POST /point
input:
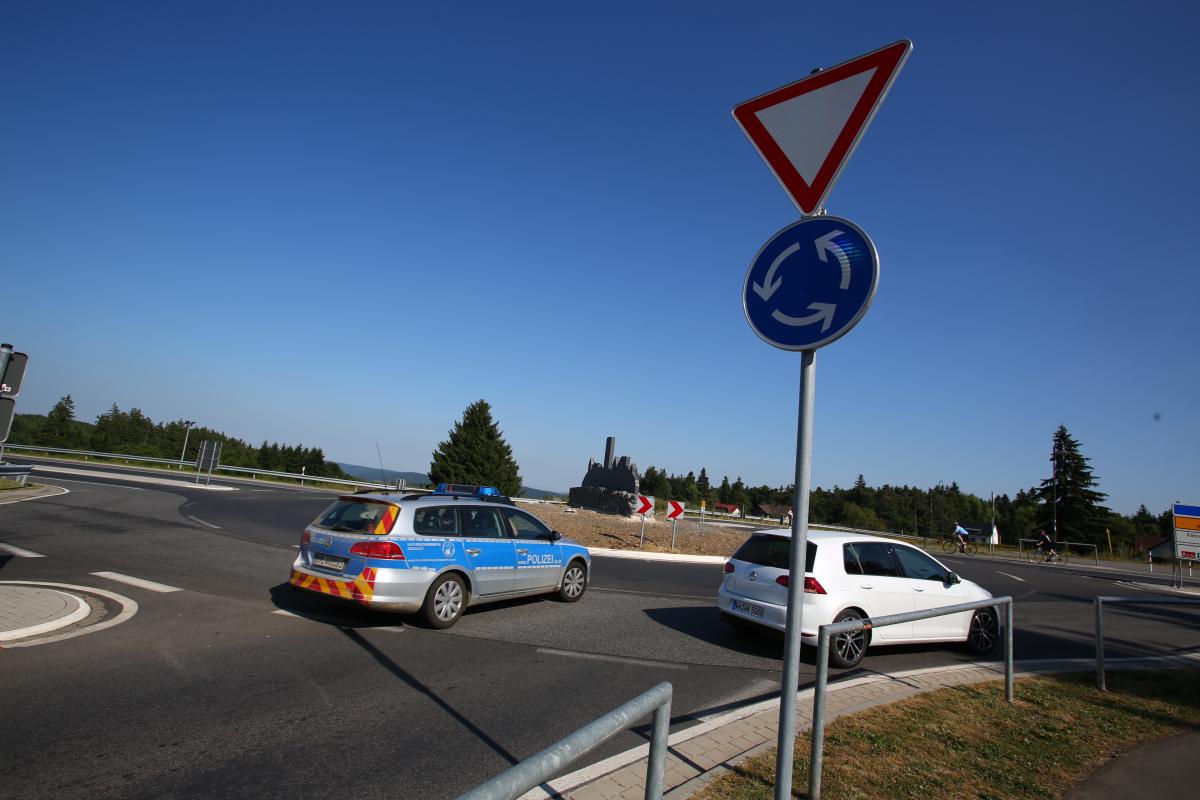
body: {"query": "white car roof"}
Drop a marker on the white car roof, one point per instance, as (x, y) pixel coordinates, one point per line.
(826, 536)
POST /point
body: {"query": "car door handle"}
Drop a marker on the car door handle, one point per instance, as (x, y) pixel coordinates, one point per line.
(472, 551)
(866, 586)
(522, 551)
(915, 589)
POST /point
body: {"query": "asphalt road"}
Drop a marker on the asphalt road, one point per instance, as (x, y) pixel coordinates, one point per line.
(209, 691)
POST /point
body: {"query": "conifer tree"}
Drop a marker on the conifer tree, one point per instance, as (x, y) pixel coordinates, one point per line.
(475, 453)
(58, 430)
(1070, 489)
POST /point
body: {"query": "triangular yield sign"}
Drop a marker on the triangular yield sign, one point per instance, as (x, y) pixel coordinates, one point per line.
(806, 131)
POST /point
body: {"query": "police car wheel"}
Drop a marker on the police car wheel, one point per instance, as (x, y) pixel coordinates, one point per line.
(445, 602)
(574, 582)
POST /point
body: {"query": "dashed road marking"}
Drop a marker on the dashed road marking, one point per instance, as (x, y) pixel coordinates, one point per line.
(19, 552)
(1014, 577)
(142, 583)
(202, 522)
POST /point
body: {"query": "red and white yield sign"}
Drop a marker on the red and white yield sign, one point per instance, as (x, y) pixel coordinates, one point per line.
(646, 504)
(807, 130)
(674, 509)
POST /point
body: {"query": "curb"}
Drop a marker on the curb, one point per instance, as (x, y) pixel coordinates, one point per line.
(79, 610)
(32, 493)
(129, 607)
(132, 478)
(644, 555)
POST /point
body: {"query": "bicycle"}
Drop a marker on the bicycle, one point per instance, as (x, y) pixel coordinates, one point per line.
(1035, 556)
(950, 546)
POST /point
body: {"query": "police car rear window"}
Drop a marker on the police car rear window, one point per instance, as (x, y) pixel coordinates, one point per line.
(773, 551)
(358, 516)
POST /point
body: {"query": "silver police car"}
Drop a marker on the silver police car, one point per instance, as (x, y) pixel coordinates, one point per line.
(436, 554)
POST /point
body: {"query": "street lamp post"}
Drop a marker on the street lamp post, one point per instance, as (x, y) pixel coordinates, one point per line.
(1054, 454)
(187, 429)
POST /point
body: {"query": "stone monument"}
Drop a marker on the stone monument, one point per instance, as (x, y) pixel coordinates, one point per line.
(611, 487)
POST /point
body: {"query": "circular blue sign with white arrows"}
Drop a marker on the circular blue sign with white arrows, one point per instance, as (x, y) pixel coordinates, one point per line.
(811, 283)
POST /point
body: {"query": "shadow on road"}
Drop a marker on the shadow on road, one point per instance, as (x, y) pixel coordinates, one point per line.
(331, 611)
(414, 684)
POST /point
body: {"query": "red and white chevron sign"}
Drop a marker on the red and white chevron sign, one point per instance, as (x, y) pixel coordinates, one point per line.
(674, 509)
(647, 504)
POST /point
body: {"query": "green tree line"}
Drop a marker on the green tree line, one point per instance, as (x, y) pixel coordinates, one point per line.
(1066, 501)
(135, 434)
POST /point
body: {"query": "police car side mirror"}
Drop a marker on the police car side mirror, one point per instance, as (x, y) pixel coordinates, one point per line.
(555, 536)
(952, 578)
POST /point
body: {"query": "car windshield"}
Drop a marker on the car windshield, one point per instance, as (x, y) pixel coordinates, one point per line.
(357, 516)
(773, 551)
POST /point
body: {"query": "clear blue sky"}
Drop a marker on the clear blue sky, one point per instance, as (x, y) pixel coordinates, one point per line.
(341, 223)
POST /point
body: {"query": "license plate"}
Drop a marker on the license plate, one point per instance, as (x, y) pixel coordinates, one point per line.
(748, 608)
(329, 562)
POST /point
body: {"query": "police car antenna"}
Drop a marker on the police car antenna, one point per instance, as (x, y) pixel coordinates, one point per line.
(382, 476)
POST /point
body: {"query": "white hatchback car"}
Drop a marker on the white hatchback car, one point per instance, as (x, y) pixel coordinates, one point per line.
(853, 576)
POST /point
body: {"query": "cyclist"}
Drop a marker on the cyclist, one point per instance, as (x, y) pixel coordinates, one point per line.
(1046, 545)
(960, 535)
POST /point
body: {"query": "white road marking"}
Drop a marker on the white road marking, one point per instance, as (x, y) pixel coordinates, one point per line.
(98, 483)
(139, 582)
(283, 613)
(1014, 577)
(202, 522)
(639, 662)
(20, 552)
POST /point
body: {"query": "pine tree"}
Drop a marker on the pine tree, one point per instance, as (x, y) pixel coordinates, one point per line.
(702, 485)
(475, 453)
(1080, 512)
(59, 430)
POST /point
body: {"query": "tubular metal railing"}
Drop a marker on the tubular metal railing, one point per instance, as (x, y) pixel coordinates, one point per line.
(826, 632)
(1112, 600)
(538, 769)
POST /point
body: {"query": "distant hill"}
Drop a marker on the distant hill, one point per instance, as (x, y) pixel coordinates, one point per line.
(420, 479)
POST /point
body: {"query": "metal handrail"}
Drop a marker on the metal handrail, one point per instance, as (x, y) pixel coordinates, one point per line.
(1114, 599)
(825, 632)
(537, 769)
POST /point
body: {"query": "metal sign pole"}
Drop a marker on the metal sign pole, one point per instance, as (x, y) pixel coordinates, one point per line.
(672, 534)
(791, 658)
(642, 535)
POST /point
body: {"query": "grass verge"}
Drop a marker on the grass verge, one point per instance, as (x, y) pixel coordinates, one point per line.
(5, 483)
(967, 742)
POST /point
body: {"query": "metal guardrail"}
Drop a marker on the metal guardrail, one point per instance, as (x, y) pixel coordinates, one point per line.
(544, 766)
(1112, 600)
(174, 462)
(15, 472)
(40, 449)
(826, 632)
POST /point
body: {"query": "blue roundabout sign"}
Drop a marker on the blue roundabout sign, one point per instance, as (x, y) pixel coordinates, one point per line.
(811, 283)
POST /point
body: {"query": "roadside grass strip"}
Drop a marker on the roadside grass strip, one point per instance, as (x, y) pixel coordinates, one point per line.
(967, 742)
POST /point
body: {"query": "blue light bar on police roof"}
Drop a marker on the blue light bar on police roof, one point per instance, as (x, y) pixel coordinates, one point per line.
(462, 488)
